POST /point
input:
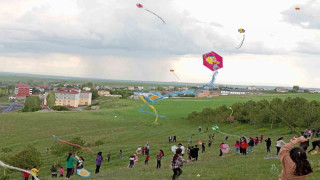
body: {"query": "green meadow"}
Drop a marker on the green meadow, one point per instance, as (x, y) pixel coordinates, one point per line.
(120, 126)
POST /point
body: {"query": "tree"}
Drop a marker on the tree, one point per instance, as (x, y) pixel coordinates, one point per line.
(28, 157)
(31, 104)
(95, 94)
(295, 89)
(51, 99)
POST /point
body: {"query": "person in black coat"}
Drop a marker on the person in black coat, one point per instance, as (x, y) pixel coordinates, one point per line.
(268, 144)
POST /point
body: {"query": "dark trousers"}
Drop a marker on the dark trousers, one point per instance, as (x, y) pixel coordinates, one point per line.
(278, 150)
(268, 149)
(220, 153)
(176, 173)
(146, 162)
(53, 175)
(209, 144)
(314, 145)
(97, 168)
(61, 175)
(244, 151)
(196, 157)
(158, 163)
(33, 178)
(241, 150)
(69, 172)
(26, 178)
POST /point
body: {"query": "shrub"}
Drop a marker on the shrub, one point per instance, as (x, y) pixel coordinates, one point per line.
(60, 108)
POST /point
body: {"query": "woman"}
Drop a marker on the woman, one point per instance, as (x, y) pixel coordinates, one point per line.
(70, 160)
(177, 163)
(99, 159)
(244, 146)
(294, 161)
(280, 143)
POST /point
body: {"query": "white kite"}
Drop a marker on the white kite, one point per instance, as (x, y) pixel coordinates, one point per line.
(19, 169)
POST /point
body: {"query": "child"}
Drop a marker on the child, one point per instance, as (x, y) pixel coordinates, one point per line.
(61, 171)
(147, 159)
(221, 146)
(237, 146)
(159, 158)
(203, 148)
(209, 144)
(256, 141)
(35, 171)
(244, 146)
(144, 150)
(131, 163)
(120, 154)
(227, 137)
(26, 175)
(53, 172)
(261, 138)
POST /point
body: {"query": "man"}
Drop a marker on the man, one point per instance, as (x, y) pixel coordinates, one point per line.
(200, 128)
(196, 152)
(190, 140)
(170, 139)
(182, 148)
(174, 139)
(314, 145)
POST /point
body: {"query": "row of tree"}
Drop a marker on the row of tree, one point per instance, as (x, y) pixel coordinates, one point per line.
(291, 112)
(4, 92)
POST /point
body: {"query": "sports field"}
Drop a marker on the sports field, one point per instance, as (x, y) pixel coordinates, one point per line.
(120, 126)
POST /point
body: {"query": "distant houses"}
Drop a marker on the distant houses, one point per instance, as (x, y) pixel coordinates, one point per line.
(282, 90)
(70, 97)
(225, 92)
(22, 90)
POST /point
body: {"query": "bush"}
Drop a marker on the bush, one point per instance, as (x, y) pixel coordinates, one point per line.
(262, 129)
(240, 127)
(60, 108)
(32, 104)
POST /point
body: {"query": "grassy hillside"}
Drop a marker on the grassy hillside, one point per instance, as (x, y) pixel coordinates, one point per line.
(130, 129)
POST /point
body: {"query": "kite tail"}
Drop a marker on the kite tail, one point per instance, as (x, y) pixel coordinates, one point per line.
(239, 46)
(156, 15)
(176, 76)
(19, 169)
(231, 111)
(76, 145)
(213, 78)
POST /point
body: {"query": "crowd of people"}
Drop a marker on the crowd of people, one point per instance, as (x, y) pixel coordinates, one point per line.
(293, 159)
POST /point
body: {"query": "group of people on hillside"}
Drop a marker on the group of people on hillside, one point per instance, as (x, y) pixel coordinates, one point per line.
(172, 139)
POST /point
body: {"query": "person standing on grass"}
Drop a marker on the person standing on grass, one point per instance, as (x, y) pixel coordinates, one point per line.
(200, 128)
(99, 160)
(203, 147)
(159, 158)
(256, 141)
(147, 159)
(69, 162)
(251, 144)
(314, 145)
(174, 139)
(196, 152)
(143, 150)
(61, 171)
(177, 163)
(209, 143)
(26, 175)
(237, 147)
(190, 140)
(131, 162)
(120, 154)
(294, 161)
(244, 146)
(227, 137)
(261, 138)
(304, 145)
(109, 156)
(268, 144)
(35, 171)
(280, 143)
(182, 148)
(170, 139)
(54, 173)
(221, 146)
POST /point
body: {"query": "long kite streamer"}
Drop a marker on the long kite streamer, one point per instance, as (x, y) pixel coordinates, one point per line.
(152, 107)
(57, 138)
(141, 7)
(241, 31)
(19, 169)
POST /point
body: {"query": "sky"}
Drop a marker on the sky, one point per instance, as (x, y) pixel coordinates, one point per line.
(116, 40)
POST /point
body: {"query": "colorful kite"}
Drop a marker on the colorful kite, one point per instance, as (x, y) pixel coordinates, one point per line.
(216, 128)
(155, 113)
(83, 173)
(172, 71)
(174, 148)
(141, 7)
(57, 138)
(19, 169)
(212, 61)
(225, 148)
(297, 8)
(200, 143)
(241, 31)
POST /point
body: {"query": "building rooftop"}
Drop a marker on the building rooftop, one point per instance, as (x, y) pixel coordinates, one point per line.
(23, 86)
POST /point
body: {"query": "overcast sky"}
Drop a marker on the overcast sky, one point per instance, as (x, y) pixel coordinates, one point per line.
(116, 40)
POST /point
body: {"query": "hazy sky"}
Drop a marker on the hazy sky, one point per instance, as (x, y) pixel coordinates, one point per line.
(116, 40)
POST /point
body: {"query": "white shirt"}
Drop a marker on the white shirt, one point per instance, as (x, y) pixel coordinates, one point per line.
(182, 148)
(280, 143)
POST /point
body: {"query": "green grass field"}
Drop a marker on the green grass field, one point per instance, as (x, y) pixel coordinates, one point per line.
(131, 129)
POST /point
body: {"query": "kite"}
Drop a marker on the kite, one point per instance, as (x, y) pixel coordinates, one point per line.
(230, 118)
(216, 128)
(83, 173)
(19, 169)
(225, 148)
(297, 8)
(57, 138)
(141, 7)
(155, 113)
(241, 31)
(174, 148)
(172, 71)
(212, 61)
(200, 143)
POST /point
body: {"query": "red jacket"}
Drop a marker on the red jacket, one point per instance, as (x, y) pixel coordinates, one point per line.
(147, 157)
(25, 174)
(244, 145)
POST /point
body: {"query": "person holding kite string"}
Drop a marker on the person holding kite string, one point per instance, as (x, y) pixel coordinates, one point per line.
(295, 165)
(69, 162)
(177, 164)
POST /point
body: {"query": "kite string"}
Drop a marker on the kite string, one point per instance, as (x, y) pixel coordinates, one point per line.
(19, 169)
(239, 46)
(156, 15)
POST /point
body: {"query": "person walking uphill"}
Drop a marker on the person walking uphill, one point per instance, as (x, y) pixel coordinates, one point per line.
(295, 165)
(177, 163)
(280, 143)
(268, 144)
(99, 160)
(70, 160)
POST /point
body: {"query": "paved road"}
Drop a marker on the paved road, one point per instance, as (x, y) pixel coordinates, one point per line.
(11, 107)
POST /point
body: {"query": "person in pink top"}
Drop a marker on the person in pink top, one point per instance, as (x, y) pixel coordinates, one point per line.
(61, 171)
(237, 146)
